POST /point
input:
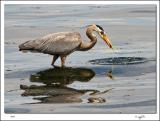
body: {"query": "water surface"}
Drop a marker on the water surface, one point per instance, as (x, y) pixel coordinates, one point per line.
(32, 85)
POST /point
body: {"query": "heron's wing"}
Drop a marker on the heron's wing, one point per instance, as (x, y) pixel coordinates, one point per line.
(56, 43)
(59, 43)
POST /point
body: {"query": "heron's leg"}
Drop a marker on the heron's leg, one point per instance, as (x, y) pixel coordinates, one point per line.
(55, 57)
(63, 59)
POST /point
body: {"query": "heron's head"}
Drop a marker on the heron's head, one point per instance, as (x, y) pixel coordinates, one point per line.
(102, 34)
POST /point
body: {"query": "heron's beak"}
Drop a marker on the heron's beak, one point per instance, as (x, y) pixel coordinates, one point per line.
(106, 39)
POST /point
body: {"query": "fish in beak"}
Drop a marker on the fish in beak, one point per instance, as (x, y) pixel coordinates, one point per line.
(106, 39)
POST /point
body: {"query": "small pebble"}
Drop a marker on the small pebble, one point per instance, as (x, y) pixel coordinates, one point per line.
(96, 100)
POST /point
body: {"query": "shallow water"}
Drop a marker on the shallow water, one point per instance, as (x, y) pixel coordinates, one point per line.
(104, 86)
(119, 61)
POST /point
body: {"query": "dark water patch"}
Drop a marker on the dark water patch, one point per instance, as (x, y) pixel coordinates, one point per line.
(119, 61)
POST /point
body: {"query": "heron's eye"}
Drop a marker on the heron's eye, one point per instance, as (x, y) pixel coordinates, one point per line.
(102, 32)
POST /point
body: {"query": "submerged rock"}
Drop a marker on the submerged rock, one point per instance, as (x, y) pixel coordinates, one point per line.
(96, 100)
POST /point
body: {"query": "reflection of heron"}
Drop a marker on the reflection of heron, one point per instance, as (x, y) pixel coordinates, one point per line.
(52, 94)
(64, 43)
(62, 76)
(55, 89)
(55, 81)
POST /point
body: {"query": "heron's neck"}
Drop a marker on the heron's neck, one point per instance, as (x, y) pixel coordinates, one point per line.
(86, 46)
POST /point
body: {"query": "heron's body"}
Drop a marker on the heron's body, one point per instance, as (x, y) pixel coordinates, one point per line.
(60, 44)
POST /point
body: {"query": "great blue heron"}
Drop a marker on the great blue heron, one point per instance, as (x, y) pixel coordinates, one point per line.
(64, 43)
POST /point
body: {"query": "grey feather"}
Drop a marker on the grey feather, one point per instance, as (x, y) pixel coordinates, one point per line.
(56, 43)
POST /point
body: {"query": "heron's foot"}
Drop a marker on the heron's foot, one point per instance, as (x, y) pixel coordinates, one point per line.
(55, 66)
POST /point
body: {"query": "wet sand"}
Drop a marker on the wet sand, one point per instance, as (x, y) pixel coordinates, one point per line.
(32, 85)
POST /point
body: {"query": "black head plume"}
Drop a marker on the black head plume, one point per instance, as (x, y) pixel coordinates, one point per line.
(100, 27)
